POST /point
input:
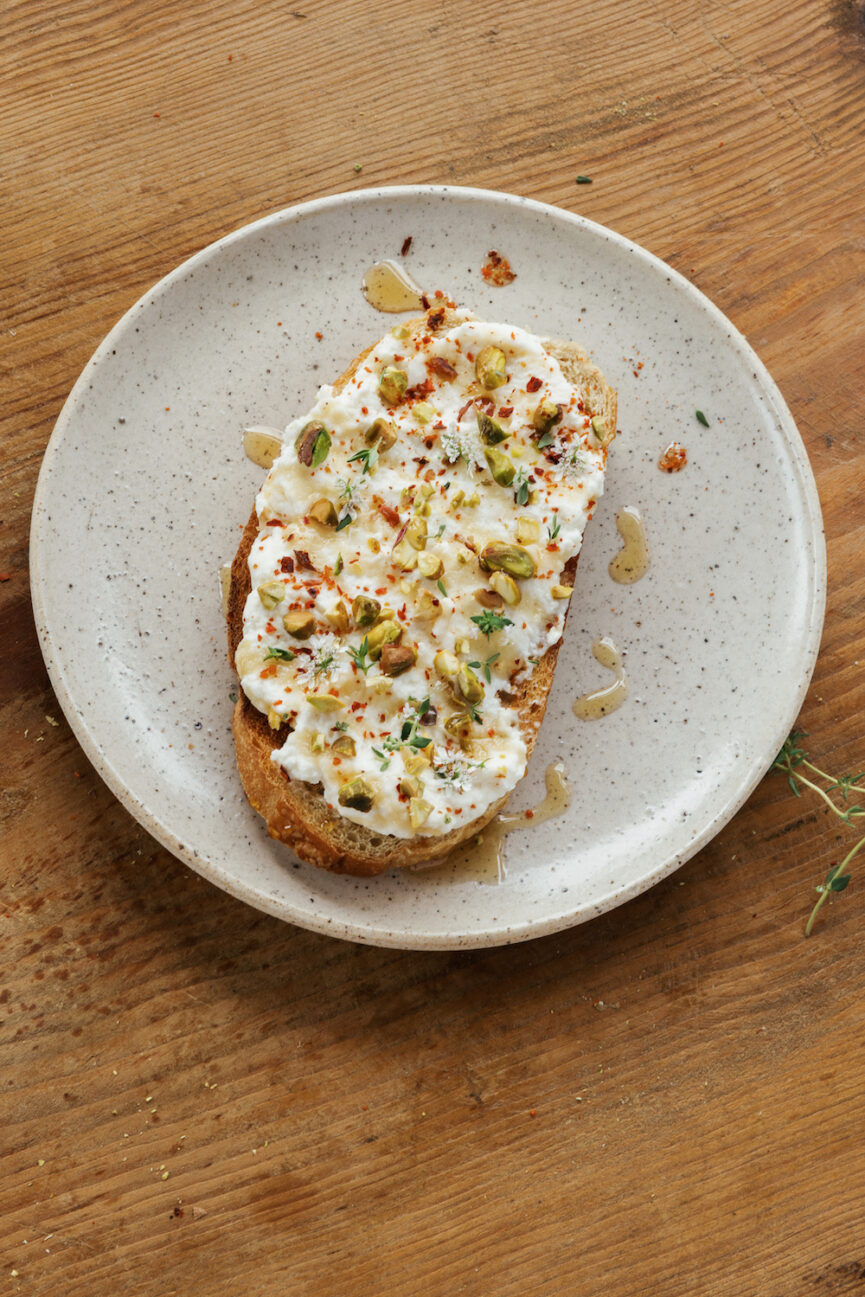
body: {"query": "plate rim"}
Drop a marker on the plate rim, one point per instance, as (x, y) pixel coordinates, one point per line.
(429, 939)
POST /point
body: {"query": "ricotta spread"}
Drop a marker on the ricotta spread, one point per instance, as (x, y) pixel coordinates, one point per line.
(436, 535)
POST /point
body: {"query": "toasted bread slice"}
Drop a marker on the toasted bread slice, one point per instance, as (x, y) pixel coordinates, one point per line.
(296, 810)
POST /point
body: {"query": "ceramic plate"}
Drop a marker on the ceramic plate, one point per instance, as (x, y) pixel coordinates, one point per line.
(145, 486)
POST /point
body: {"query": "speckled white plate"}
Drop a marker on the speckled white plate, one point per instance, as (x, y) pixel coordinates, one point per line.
(145, 487)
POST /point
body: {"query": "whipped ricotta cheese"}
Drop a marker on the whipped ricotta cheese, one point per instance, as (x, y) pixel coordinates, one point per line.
(409, 574)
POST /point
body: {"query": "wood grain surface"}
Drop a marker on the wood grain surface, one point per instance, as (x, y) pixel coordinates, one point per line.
(198, 1099)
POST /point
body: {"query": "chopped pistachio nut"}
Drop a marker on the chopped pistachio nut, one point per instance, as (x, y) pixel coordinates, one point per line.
(396, 658)
(456, 499)
(338, 617)
(410, 786)
(499, 465)
(312, 444)
(446, 663)
(491, 367)
(427, 605)
(430, 565)
(424, 412)
(324, 512)
(387, 633)
(344, 745)
(274, 719)
(358, 793)
(382, 434)
(462, 645)
(416, 760)
(489, 598)
(528, 530)
(466, 686)
(404, 555)
(506, 586)
(419, 812)
(317, 743)
(546, 414)
(513, 559)
(299, 624)
(325, 703)
(490, 429)
(271, 594)
(365, 609)
(599, 428)
(416, 533)
(392, 385)
(562, 591)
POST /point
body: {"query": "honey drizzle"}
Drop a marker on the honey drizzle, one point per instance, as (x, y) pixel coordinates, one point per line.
(388, 287)
(262, 445)
(632, 560)
(591, 706)
(482, 861)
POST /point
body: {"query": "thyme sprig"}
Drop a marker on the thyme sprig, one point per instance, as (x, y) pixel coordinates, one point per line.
(791, 761)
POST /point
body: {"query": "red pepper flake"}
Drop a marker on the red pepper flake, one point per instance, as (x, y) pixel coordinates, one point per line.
(468, 405)
(387, 511)
(5, 576)
(533, 1112)
(406, 244)
(420, 390)
(157, 114)
(534, 385)
(435, 319)
(304, 562)
(443, 368)
(505, 411)
(286, 563)
(267, 672)
(279, 324)
(319, 335)
(424, 301)
(674, 458)
(496, 270)
(275, 522)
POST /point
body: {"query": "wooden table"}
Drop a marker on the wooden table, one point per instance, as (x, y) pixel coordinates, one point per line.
(198, 1099)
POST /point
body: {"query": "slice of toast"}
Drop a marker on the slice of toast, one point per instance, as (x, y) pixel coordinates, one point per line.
(304, 812)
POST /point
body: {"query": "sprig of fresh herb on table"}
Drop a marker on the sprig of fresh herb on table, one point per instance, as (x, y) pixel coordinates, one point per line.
(490, 622)
(791, 761)
(485, 667)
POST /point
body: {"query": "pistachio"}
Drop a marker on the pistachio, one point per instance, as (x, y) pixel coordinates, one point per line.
(404, 556)
(406, 587)
(338, 617)
(506, 586)
(274, 719)
(466, 686)
(456, 499)
(358, 793)
(599, 428)
(392, 385)
(459, 727)
(473, 500)
(446, 664)
(491, 367)
(299, 624)
(382, 434)
(344, 745)
(410, 786)
(500, 466)
(373, 544)
(423, 412)
(562, 591)
(323, 511)
(401, 331)
(491, 430)
(427, 605)
(387, 633)
(419, 812)
(271, 594)
(546, 414)
(462, 645)
(317, 743)
(396, 658)
(416, 533)
(489, 598)
(528, 530)
(512, 559)
(325, 703)
(430, 565)
(416, 760)
(312, 444)
(386, 614)
(365, 609)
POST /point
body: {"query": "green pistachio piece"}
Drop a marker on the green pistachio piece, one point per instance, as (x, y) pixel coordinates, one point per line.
(546, 414)
(392, 385)
(365, 609)
(446, 664)
(410, 786)
(500, 466)
(358, 793)
(506, 586)
(324, 512)
(312, 444)
(491, 367)
(387, 633)
(381, 434)
(512, 559)
(299, 624)
(416, 533)
(271, 594)
(345, 746)
(459, 727)
(423, 412)
(489, 598)
(599, 428)
(325, 703)
(490, 429)
(466, 686)
(419, 812)
(430, 565)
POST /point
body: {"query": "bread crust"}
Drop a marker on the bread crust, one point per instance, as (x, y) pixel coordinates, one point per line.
(296, 812)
